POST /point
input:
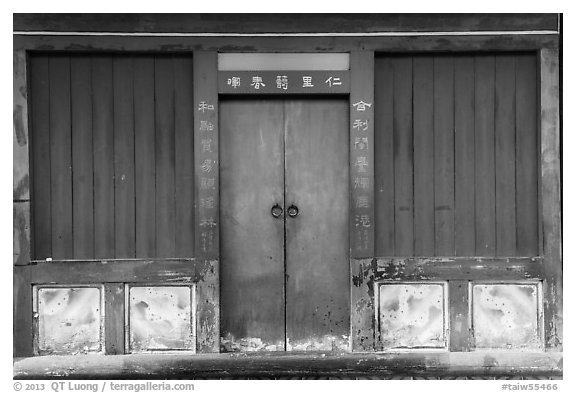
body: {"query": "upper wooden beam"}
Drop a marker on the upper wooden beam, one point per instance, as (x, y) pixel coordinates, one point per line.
(282, 23)
(475, 43)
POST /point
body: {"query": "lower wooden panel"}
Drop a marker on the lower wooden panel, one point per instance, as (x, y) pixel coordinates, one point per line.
(114, 275)
(368, 275)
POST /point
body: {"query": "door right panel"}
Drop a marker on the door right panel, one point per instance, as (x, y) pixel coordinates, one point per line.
(317, 243)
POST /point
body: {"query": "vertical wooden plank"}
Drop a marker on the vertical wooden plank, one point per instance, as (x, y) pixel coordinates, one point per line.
(505, 147)
(22, 323)
(384, 157)
(206, 164)
(124, 207)
(61, 158)
(526, 155)
(423, 155)
(41, 196)
(145, 157)
(114, 313)
(444, 155)
(82, 163)
(403, 158)
(184, 159)
(459, 315)
(20, 169)
(103, 145)
(464, 157)
(362, 153)
(21, 232)
(551, 197)
(484, 155)
(206, 186)
(164, 109)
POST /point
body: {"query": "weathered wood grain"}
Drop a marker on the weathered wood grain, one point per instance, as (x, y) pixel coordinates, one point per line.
(551, 197)
(505, 155)
(484, 155)
(145, 157)
(464, 157)
(165, 155)
(444, 155)
(20, 169)
(82, 157)
(114, 313)
(123, 148)
(40, 150)
(118, 271)
(403, 158)
(208, 307)
(184, 156)
(103, 143)
(60, 157)
(459, 316)
(527, 155)
(267, 23)
(21, 233)
(384, 157)
(22, 322)
(423, 102)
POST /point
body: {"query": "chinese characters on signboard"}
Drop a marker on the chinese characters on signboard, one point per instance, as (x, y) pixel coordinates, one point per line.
(280, 82)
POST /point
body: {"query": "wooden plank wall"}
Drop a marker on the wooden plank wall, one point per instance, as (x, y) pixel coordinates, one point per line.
(456, 155)
(112, 156)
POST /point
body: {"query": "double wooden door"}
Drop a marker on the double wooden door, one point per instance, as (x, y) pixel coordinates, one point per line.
(284, 224)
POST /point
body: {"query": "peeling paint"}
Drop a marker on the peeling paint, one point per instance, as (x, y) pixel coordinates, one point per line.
(160, 318)
(324, 343)
(21, 233)
(69, 320)
(411, 315)
(229, 343)
(506, 316)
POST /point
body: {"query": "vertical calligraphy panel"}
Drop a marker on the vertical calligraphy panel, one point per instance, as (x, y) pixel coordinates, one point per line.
(362, 153)
(206, 168)
(206, 154)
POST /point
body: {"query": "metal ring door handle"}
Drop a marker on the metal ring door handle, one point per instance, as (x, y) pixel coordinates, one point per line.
(293, 211)
(276, 211)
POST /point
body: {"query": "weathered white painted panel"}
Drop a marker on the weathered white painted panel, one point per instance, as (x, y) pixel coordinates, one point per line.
(69, 320)
(412, 315)
(506, 315)
(160, 318)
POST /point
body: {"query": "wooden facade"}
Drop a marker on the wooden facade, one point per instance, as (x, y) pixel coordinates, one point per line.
(433, 174)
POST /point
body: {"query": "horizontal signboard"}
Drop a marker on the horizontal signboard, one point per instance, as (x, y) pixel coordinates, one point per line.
(283, 82)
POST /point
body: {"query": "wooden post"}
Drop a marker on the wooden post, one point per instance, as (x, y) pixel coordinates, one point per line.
(551, 197)
(206, 154)
(114, 313)
(362, 153)
(458, 311)
(207, 243)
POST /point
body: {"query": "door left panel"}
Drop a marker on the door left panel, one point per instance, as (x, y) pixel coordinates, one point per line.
(252, 241)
